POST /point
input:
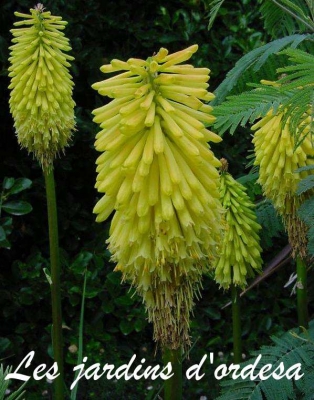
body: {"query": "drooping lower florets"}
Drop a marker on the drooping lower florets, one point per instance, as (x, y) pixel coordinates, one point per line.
(160, 177)
(41, 86)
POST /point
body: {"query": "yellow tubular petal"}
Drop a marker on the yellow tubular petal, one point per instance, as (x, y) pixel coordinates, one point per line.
(148, 100)
(136, 153)
(173, 127)
(153, 192)
(165, 104)
(150, 118)
(173, 168)
(158, 136)
(165, 181)
(143, 205)
(167, 211)
(148, 152)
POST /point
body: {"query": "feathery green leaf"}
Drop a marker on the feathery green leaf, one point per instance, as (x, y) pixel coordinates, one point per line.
(247, 107)
(254, 60)
(289, 349)
(214, 8)
(293, 17)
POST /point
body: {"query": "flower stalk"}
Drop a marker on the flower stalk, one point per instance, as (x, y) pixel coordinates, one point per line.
(57, 340)
(236, 324)
(173, 386)
(301, 287)
(43, 110)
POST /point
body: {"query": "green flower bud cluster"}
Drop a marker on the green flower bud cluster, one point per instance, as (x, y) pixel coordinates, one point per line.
(41, 86)
(160, 177)
(241, 252)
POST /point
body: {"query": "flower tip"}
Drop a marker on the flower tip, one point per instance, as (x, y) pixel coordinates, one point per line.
(194, 48)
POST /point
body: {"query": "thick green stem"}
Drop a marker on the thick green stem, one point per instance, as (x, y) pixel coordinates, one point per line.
(303, 318)
(173, 386)
(236, 324)
(57, 342)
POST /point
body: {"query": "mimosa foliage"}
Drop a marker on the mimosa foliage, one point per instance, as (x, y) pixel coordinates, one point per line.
(291, 14)
(289, 349)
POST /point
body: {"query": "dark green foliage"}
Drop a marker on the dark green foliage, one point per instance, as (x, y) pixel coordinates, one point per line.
(270, 221)
(214, 7)
(280, 10)
(254, 61)
(247, 107)
(12, 206)
(291, 348)
(18, 394)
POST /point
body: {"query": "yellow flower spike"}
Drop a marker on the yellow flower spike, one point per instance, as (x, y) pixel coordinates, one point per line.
(41, 86)
(278, 161)
(166, 228)
(240, 253)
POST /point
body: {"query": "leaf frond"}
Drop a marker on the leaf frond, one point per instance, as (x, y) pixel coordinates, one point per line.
(254, 60)
(290, 349)
(293, 17)
(247, 107)
(214, 8)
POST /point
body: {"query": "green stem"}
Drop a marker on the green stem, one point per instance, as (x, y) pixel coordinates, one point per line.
(57, 342)
(236, 324)
(303, 318)
(173, 386)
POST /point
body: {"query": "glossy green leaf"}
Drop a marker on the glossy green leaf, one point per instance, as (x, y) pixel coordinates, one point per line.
(17, 207)
(20, 184)
(8, 183)
(126, 326)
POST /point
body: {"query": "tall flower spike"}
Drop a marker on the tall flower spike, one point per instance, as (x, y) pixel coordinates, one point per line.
(161, 178)
(278, 161)
(41, 86)
(241, 251)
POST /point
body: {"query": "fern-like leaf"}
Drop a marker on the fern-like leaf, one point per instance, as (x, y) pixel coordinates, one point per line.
(290, 349)
(306, 184)
(247, 107)
(4, 384)
(272, 13)
(269, 220)
(254, 60)
(293, 17)
(214, 8)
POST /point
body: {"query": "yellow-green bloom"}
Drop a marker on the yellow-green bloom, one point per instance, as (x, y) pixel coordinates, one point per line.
(241, 251)
(278, 161)
(160, 177)
(41, 86)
